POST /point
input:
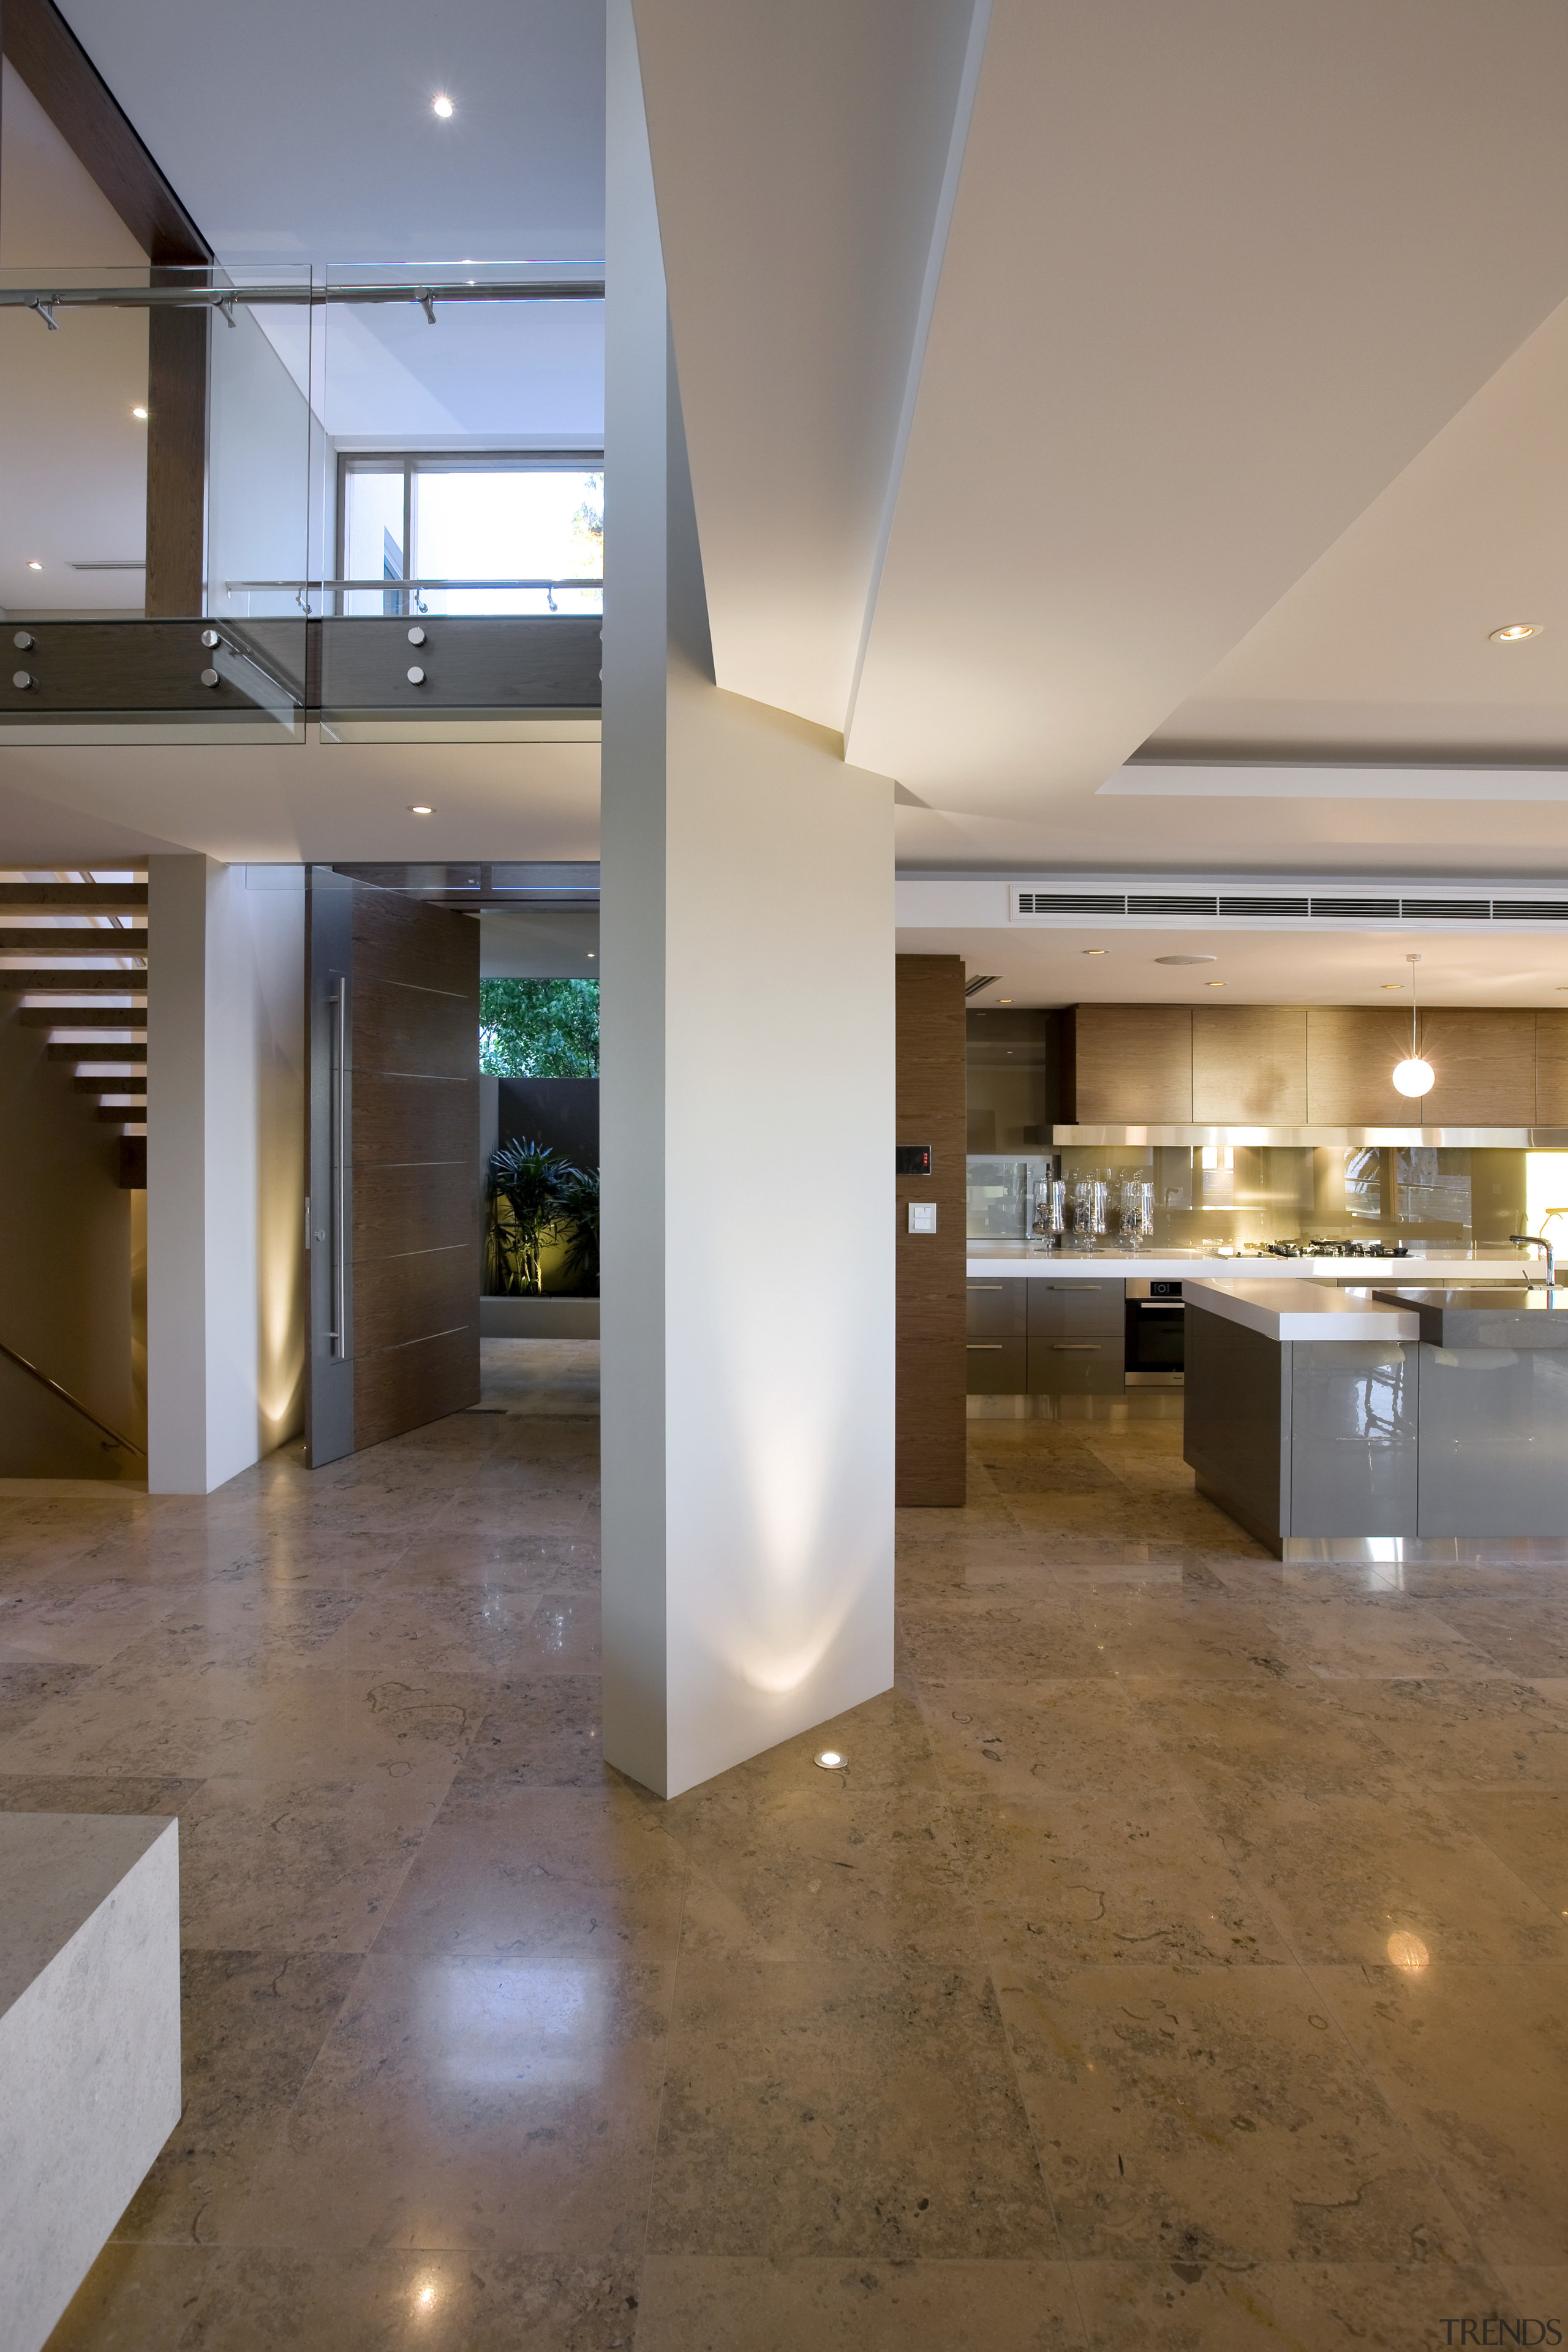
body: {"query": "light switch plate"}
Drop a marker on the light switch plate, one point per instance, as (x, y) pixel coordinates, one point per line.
(923, 1216)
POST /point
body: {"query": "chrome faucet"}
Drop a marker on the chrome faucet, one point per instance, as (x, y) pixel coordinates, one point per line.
(1538, 1241)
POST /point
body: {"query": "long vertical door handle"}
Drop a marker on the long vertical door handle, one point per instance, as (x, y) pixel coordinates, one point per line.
(340, 1331)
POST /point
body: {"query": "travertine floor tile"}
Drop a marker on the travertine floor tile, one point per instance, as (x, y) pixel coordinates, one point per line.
(137, 2299)
(983, 1638)
(261, 2298)
(252, 2024)
(827, 2109)
(547, 1873)
(534, 1734)
(1345, 1875)
(1474, 2062)
(487, 2048)
(1475, 1733)
(1005, 1740)
(1197, 2306)
(721, 2304)
(1528, 1830)
(1064, 1882)
(499, 2105)
(298, 1866)
(1215, 2117)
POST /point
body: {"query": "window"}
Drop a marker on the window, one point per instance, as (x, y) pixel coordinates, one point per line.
(423, 521)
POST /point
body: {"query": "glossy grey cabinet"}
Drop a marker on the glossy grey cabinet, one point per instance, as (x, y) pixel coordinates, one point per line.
(997, 1367)
(997, 1308)
(1063, 1309)
(1077, 1366)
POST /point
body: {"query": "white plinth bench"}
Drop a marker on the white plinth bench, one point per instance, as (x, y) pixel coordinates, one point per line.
(89, 2043)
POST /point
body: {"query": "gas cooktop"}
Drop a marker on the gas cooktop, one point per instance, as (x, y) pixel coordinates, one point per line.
(1333, 1249)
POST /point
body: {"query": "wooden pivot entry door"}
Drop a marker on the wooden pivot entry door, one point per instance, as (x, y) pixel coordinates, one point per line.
(393, 1212)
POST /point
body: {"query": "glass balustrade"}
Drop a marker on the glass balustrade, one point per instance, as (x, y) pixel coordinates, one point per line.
(369, 502)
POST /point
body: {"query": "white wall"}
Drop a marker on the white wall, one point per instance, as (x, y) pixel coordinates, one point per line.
(747, 1093)
(224, 1169)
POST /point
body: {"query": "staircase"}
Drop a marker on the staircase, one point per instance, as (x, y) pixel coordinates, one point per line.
(73, 944)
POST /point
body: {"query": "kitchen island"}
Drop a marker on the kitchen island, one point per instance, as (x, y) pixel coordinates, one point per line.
(1098, 1334)
(1333, 1420)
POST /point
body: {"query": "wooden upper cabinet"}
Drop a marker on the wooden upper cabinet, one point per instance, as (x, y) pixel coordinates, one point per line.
(1350, 1053)
(1552, 1069)
(1128, 1062)
(1485, 1065)
(1249, 1064)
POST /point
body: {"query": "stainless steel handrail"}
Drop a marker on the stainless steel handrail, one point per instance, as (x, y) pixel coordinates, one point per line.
(423, 290)
(75, 1403)
(387, 587)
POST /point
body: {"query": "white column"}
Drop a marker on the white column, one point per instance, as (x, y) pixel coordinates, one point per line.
(747, 1128)
(224, 1169)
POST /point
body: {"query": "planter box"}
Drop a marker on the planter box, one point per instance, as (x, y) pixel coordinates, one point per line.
(544, 1318)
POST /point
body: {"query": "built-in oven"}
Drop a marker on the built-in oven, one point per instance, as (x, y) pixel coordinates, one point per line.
(1156, 1334)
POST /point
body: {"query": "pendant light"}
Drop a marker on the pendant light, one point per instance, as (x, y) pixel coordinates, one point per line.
(1413, 1077)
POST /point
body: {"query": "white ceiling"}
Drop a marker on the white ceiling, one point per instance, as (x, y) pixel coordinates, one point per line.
(304, 801)
(1323, 967)
(304, 129)
(1199, 391)
(1215, 280)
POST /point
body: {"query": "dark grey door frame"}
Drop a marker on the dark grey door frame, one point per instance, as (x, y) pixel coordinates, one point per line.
(328, 1222)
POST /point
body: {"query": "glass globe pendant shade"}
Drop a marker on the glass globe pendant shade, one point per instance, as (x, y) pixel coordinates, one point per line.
(1413, 1077)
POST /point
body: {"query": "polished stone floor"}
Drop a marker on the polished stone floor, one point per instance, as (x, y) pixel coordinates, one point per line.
(1181, 1963)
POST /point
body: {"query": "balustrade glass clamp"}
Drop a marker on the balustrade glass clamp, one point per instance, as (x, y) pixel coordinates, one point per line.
(23, 642)
(209, 677)
(210, 637)
(23, 679)
(416, 677)
(415, 636)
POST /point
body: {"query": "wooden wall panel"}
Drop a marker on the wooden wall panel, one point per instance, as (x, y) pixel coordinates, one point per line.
(176, 462)
(1552, 1069)
(1485, 1065)
(931, 1433)
(1128, 1062)
(1250, 1064)
(415, 1146)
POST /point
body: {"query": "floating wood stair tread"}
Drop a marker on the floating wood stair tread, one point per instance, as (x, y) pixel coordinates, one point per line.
(36, 981)
(83, 897)
(115, 1052)
(131, 1018)
(36, 940)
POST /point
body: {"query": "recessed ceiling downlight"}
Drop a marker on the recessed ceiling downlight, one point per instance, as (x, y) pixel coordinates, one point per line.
(832, 1760)
(442, 105)
(1186, 958)
(1512, 632)
(420, 808)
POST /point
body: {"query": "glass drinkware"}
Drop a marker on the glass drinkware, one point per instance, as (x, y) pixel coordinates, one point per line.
(1049, 1217)
(1089, 1196)
(1137, 1213)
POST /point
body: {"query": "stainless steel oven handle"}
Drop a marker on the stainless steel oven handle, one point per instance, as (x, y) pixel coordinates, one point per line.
(340, 1039)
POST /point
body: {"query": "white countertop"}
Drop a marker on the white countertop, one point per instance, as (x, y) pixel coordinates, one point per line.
(1303, 1310)
(1013, 1259)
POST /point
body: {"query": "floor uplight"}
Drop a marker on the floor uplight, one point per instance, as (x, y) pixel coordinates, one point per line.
(832, 1760)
